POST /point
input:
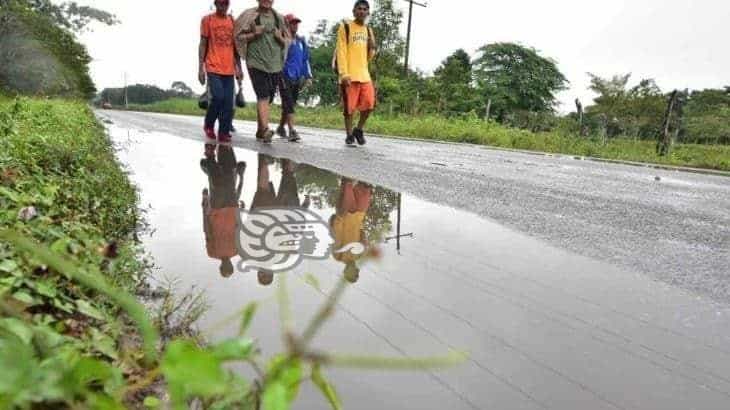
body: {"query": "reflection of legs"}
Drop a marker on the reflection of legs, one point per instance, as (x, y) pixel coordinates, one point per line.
(347, 198)
(362, 194)
(263, 174)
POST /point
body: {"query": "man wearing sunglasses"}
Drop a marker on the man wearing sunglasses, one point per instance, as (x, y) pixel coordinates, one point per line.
(262, 39)
(218, 64)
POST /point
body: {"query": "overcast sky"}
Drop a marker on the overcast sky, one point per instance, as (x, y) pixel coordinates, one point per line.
(680, 43)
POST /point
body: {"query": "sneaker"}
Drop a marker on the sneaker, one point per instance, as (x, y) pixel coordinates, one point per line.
(224, 138)
(265, 136)
(350, 141)
(294, 136)
(358, 134)
(209, 133)
(280, 131)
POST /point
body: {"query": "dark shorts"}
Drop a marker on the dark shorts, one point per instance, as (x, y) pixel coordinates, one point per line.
(288, 104)
(265, 86)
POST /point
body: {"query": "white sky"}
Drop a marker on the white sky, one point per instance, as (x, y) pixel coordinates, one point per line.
(680, 43)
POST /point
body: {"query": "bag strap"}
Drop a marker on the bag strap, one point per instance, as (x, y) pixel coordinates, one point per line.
(257, 20)
(347, 31)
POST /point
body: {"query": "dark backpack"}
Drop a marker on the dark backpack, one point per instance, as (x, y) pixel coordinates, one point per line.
(347, 37)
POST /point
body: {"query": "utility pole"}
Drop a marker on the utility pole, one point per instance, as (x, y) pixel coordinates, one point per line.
(408, 35)
(126, 101)
(398, 234)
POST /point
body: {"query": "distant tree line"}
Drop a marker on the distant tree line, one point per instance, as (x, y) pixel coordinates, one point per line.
(145, 94)
(516, 86)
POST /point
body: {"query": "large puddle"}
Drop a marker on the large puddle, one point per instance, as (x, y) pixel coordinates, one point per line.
(424, 279)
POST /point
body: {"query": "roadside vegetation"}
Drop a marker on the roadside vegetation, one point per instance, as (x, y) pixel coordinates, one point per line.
(470, 129)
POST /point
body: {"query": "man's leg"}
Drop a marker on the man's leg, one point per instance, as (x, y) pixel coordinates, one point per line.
(262, 114)
(365, 104)
(347, 108)
(224, 126)
(294, 89)
(348, 124)
(286, 91)
(215, 88)
(364, 115)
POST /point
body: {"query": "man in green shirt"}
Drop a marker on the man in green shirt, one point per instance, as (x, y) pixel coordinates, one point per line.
(262, 38)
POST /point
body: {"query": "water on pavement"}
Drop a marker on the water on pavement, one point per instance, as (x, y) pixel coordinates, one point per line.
(545, 328)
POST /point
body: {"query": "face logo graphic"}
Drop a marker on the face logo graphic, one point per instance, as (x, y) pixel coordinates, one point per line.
(278, 239)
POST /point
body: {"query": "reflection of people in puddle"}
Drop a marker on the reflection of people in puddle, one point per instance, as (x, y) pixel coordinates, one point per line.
(220, 203)
(266, 196)
(347, 224)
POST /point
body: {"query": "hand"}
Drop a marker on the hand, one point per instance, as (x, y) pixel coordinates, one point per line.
(258, 30)
(239, 74)
(307, 83)
(280, 36)
(346, 81)
(201, 75)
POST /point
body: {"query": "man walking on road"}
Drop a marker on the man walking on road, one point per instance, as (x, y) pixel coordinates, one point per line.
(219, 61)
(297, 74)
(262, 38)
(355, 48)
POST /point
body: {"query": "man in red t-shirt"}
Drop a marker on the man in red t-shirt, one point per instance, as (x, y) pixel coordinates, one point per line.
(218, 59)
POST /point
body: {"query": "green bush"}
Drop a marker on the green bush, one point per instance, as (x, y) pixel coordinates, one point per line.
(469, 128)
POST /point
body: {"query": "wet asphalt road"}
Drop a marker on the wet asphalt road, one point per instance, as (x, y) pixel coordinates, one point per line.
(547, 291)
(676, 230)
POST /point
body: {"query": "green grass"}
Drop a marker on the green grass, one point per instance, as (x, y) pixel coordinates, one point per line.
(476, 131)
(60, 325)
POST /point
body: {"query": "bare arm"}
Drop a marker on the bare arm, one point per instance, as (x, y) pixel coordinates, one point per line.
(202, 52)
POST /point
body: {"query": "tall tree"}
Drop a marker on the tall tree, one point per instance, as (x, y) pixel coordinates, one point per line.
(39, 51)
(385, 21)
(454, 80)
(517, 78)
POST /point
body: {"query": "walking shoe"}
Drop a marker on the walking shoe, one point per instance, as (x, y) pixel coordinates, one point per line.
(209, 133)
(264, 136)
(294, 136)
(224, 138)
(358, 134)
(280, 131)
(350, 141)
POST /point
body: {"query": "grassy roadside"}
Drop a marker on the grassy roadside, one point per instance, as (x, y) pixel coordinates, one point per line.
(476, 131)
(61, 187)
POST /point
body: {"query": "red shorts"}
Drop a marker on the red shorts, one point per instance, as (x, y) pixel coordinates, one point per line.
(358, 97)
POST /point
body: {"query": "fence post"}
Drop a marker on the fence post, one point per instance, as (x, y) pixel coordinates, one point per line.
(665, 140)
